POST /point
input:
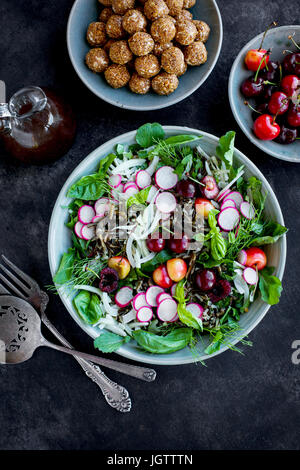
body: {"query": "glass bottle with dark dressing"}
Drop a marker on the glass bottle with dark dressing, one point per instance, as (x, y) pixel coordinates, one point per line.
(36, 126)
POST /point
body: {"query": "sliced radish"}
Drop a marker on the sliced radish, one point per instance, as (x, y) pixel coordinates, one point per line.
(224, 191)
(115, 180)
(101, 206)
(86, 214)
(223, 194)
(162, 296)
(142, 179)
(129, 183)
(195, 309)
(120, 188)
(250, 276)
(144, 314)
(236, 197)
(228, 203)
(97, 218)
(77, 229)
(228, 219)
(151, 294)
(247, 210)
(124, 296)
(242, 257)
(87, 233)
(152, 194)
(175, 318)
(131, 190)
(173, 290)
(139, 301)
(167, 310)
(165, 177)
(165, 202)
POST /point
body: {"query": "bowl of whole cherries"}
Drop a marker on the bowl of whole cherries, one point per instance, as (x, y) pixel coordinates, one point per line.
(264, 91)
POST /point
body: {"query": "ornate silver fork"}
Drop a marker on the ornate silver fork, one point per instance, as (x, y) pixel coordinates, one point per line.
(115, 395)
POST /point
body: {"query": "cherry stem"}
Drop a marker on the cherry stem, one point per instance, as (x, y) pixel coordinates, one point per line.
(263, 59)
(293, 41)
(274, 23)
(251, 107)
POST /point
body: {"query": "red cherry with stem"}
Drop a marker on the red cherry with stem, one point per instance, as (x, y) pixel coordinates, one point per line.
(289, 84)
(255, 57)
(265, 128)
(186, 188)
(293, 116)
(251, 87)
(155, 242)
(279, 103)
(179, 244)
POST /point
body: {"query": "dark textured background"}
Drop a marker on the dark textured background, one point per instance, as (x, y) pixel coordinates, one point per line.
(237, 402)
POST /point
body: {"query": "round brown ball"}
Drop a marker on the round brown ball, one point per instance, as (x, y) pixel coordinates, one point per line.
(164, 83)
(147, 66)
(134, 21)
(114, 28)
(106, 3)
(120, 53)
(96, 33)
(203, 30)
(195, 54)
(108, 45)
(184, 15)
(121, 6)
(163, 30)
(117, 75)
(105, 14)
(154, 9)
(186, 32)
(159, 48)
(139, 85)
(189, 3)
(141, 43)
(172, 60)
(175, 6)
(97, 60)
(183, 69)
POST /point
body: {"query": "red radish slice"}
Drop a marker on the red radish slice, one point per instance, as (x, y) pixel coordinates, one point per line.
(250, 275)
(144, 314)
(228, 219)
(162, 296)
(115, 180)
(139, 301)
(124, 296)
(242, 257)
(131, 190)
(151, 294)
(165, 202)
(120, 188)
(77, 229)
(87, 233)
(86, 214)
(195, 309)
(173, 289)
(175, 318)
(167, 310)
(152, 194)
(97, 218)
(129, 183)
(142, 179)
(101, 206)
(236, 197)
(223, 194)
(165, 177)
(228, 203)
(247, 210)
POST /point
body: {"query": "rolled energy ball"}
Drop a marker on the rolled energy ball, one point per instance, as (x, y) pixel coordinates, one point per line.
(203, 30)
(175, 6)
(105, 14)
(183, 70)
(184, 15)
(159, 48)
(164, 83)
(117, 75)
(97, 60)
(163, 30)
(108, 45)
(106, 3)
(195, 54)
(147, 66)
(186, 32)
(114, 28)
(134, 21)
(120, 53)
(154, 9)
(172, 60)
(189, 3)
(121, 6)
(139, 85)
(141, 43)
(96, 35)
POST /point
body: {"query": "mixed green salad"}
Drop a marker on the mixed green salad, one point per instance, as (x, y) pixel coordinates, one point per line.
(168, 244)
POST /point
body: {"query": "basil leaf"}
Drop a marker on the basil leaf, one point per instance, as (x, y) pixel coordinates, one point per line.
(139, 198)
(158, 259)
(270, 286)
(88, 307)
(181, 139)
(109, 342)
(89, 187)
(105, 164)
(148, 134)
(174, 341)
(218, 246)
(225, 148)
(65, 270)
(184, 315)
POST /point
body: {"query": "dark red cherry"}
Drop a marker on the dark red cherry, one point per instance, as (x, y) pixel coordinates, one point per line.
(287, 135)
(205, 279)
(186, 188)
(291, 63)
(289, 84)
(179, 245)
(279, 103)
(155, 242)
(221, 290)
(293, 116)
(270, 72)
(108, 280)
(251, 87)
(262, 108)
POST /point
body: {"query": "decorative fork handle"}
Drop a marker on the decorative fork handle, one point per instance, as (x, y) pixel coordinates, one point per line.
(115, 395)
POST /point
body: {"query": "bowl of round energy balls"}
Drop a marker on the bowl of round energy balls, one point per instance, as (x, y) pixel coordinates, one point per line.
(144, 54)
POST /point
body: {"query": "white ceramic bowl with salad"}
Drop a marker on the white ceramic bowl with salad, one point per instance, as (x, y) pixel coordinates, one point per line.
(161, 302)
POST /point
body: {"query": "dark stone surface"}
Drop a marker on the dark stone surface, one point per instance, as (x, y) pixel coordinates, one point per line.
(237, 402)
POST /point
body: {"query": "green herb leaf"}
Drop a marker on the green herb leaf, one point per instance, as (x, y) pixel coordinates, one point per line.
(173, 341)
(105, 164)
(270, 286)
(89, 187)
(225, 148)
(109, 342)
(148, 134)
(65, 270)
(184, 315)
(158, 259)
(88, 307)
(215, 345)
(181, 139)
(271, 233)
(139, 198)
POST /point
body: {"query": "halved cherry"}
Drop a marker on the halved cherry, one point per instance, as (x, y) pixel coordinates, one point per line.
(210, 189)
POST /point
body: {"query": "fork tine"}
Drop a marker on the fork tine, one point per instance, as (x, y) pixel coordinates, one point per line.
(31, 282)
(15, 280)
(12, 287)
(3, 290)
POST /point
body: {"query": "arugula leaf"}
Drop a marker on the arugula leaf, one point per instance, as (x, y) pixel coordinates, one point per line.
(109, 342)
(65, 270)
(270, 286)
(225, 148)
(184, 315)
(181, 139)
(139, 198)
(89, 187)
(149, 134)
(88, 307)
(174, 341)
(158, 259)
(271, 233)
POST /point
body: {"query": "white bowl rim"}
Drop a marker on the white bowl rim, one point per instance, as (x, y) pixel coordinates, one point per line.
(157, 360)
(144, 108)
(243, 127)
